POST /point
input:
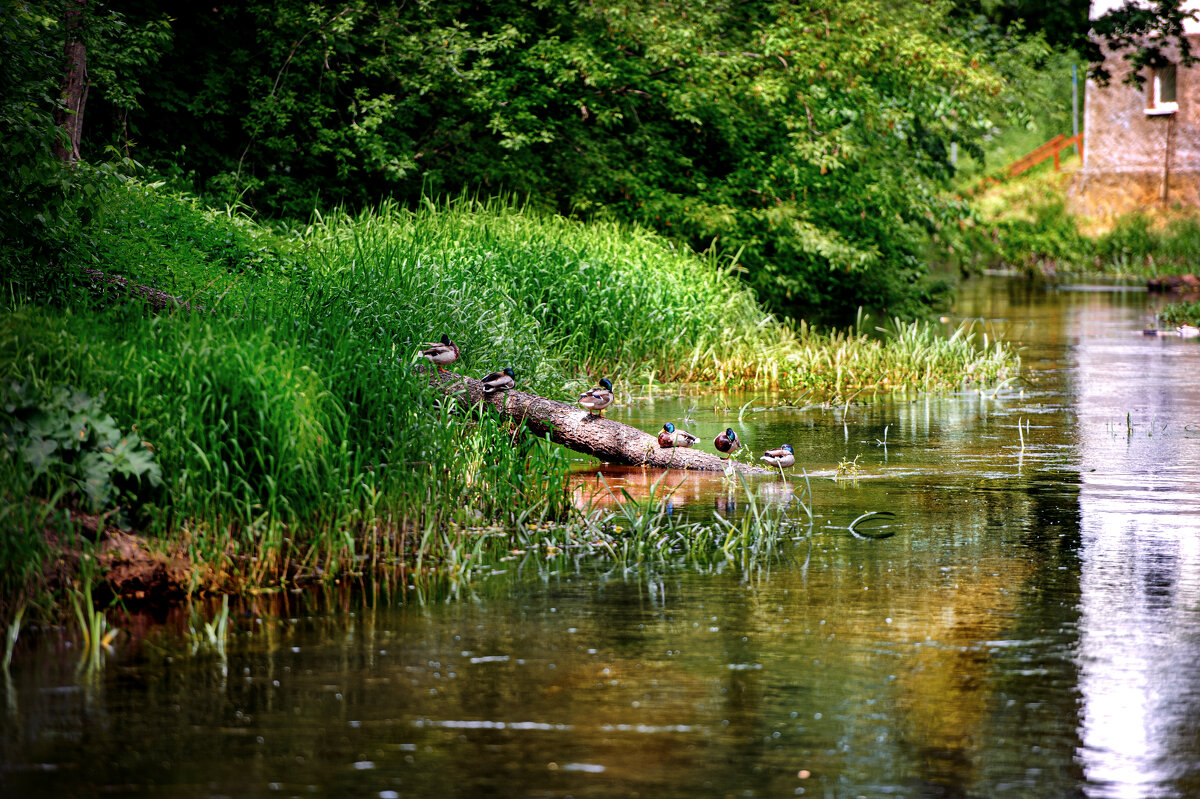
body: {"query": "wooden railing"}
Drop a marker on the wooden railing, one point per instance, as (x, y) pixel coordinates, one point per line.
(1050, 149)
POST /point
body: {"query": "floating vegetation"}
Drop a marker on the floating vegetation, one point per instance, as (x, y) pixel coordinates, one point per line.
(849, 469)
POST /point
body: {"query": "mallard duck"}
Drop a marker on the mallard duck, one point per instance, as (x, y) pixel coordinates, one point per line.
(441, 355)
(780, 457)
(670, 437)
(727, 442)
(499, 381)
(598, 398)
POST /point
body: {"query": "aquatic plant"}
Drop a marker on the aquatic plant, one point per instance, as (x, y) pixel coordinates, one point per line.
(95, 633)
(1186, 312)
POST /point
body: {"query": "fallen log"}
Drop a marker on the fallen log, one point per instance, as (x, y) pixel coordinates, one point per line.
(156, 298)
(577, 429)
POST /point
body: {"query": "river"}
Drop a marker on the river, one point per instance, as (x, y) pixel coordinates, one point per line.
(1030, 626)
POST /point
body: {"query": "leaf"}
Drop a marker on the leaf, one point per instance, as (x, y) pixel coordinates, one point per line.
(106, 429)
(131, 459)
(39, 453)
(49, 424)
(96, 476)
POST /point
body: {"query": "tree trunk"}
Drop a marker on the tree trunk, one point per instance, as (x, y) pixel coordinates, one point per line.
(577, 429)
(75, 85)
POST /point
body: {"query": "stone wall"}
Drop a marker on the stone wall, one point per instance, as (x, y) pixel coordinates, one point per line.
(1132, 159)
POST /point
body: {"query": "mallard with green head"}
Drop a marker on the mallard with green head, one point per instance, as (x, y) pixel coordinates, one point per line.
(499, 381)
(781, 457)
(441, 354)
(727, 442)
(670, 437)
(598, 398)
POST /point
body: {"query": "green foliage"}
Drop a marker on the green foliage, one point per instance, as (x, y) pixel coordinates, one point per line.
(34, 220)
(1016, 227)
(46, 206)
(67, 437)
(1143, 31)
(1180, 313)
(169, 241)
(811, 138)
(1064, 24)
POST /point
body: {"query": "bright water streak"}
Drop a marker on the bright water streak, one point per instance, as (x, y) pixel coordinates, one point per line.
(1139, 421)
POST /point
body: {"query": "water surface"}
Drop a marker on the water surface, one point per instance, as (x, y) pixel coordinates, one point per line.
(1032, 629)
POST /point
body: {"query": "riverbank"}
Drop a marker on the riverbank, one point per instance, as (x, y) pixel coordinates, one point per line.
(270, 429)
(1023, 224)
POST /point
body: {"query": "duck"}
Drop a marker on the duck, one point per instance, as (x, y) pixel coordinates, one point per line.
(441, 354)
(598, 398)
(784, 456)
(727, 442)
(499, 381)
(670, 437)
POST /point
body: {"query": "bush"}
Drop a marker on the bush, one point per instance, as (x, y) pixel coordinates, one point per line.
(67, 436)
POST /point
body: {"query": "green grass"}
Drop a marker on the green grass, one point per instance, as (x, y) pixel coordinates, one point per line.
(294, 438)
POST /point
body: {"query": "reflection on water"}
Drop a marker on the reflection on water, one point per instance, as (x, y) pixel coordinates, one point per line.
(1139, 647)
(1030, 630)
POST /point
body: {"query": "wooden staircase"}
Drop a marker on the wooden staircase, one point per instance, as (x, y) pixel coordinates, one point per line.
(1050, 149)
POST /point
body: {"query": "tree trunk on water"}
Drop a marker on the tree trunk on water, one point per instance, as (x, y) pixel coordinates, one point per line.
(577, 429)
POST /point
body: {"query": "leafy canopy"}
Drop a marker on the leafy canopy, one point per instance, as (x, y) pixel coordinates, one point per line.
(809, 139)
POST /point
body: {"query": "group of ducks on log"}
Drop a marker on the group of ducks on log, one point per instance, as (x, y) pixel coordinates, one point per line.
(595, 400)
(600, 397)
(726, 442)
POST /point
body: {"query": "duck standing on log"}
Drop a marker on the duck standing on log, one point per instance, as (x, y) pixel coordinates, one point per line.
(727, 442)
(598, 398)
(441, 354)
(670, 437)
(499, 381)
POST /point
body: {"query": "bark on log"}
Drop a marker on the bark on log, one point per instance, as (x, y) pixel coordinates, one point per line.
(157, 299)
(575, 428)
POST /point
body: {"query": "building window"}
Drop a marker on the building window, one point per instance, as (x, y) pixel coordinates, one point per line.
(1162, 91)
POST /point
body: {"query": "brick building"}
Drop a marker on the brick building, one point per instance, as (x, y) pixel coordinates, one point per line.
(1141, 148)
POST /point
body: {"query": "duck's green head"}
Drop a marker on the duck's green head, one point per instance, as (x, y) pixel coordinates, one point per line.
(732, 436)
(508, 370)
(604, 381)
(670, 428)
(788, 447)
(446, 339)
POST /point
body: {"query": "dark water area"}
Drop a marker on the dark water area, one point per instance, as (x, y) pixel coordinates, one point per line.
(1031, 629)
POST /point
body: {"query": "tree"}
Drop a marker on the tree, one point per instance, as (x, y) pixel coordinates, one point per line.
(45, 199)
(33, 183)
(808, 139)
(69, 115)
(1142, 31)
